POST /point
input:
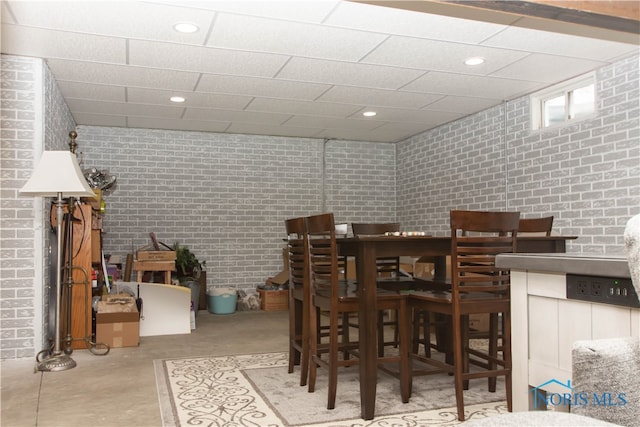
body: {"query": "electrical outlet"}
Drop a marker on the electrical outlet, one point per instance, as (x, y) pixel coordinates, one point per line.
(605, 290)
(582, 288)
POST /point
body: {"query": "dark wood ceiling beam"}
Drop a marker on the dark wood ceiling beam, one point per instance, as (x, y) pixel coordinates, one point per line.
(617, 22)
(612, 15)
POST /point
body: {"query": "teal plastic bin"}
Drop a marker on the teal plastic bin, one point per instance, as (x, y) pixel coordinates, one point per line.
(222, 300)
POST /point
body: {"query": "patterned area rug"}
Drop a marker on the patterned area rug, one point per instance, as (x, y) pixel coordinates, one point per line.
(256, 390)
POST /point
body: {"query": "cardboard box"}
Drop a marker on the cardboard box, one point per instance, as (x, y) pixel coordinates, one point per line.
(425, 267)
(118, 329)
(280, 279)
(479, 322)
(274, 300)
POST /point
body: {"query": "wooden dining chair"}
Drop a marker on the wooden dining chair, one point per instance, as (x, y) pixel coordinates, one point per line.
(299, 297)
(390, 277)
(335, 297)
(536, 225)
(477, 287)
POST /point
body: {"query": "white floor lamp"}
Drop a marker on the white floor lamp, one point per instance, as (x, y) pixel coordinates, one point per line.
(57, 175)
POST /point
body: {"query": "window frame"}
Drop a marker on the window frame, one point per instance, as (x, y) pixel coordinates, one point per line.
(565, 90)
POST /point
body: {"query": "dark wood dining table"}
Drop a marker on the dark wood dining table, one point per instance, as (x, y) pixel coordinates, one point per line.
(366, 249)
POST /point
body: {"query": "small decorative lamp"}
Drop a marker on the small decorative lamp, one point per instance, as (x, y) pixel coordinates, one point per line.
(57, 175)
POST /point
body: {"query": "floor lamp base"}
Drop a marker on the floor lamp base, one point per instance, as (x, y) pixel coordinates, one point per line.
(56, 363)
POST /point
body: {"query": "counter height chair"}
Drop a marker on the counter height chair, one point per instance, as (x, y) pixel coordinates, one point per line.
(299, 297)
(477, 287)
(336, 298)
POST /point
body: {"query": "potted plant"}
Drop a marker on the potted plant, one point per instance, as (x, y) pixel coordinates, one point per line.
(188, 269)
(188, 266)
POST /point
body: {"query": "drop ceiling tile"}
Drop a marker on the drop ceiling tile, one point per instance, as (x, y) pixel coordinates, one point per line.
(262, 129)
(416, 53)
(42, 43)
(377, 97)
(349, 74)
(550, 43)
(473, 86)
(301, 107)
(408, 23)
(203, 59)
(128, 19)
(90, 119)
(400, 131)
(177, 124)
(303, 11)
(89, 72)
(269, 88)
(380, 134)
(96, 92)
(331, 122)
(291, 38)
(123, 108)
(400, 115)
(547, 68)
(6, 16)
(463, 104)
(232, 116)
(193, 99)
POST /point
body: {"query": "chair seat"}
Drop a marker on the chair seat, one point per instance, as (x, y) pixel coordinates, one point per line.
(447, 295)
(350, 292)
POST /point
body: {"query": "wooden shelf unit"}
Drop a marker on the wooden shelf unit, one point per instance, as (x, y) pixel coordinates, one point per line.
(87, 249)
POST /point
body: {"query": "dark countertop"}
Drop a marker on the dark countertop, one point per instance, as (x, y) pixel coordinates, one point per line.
(587, 264)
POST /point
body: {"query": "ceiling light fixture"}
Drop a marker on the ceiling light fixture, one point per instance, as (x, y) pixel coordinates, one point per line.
(476, 60)
(185, 27)
(177, 99)
(369, 113)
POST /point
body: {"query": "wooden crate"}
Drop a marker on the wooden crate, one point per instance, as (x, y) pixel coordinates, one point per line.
(156, 255)
(274, 300)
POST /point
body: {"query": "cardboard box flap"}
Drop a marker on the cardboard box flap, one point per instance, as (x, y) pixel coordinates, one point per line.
(117, 317)
(281, 279)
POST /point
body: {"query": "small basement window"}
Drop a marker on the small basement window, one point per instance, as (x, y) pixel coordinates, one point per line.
(571, 100)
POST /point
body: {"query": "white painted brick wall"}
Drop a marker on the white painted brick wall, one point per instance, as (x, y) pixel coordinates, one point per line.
(33, 116)
(586, 174)
(227, 196)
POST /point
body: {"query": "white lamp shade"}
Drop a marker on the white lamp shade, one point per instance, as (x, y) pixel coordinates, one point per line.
(57, 172)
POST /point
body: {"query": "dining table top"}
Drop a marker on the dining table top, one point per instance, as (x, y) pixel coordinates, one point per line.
(441, 245)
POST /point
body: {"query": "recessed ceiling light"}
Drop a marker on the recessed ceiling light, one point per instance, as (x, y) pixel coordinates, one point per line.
(177, 99)
(369, 113)
(185, 27)
(476, 60)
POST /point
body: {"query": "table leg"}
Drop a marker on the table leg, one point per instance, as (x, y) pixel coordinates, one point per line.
(443, 330)
(367, 320)
(440, 268)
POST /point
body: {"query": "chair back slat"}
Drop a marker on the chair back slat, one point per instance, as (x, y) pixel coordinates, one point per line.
(323, 253)
(298, 257)
(536, 225)
(473, 256)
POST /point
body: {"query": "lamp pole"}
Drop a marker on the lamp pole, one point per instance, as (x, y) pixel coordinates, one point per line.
(58, 361)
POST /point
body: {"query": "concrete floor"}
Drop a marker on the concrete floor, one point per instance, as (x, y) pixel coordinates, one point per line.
(119, 389)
